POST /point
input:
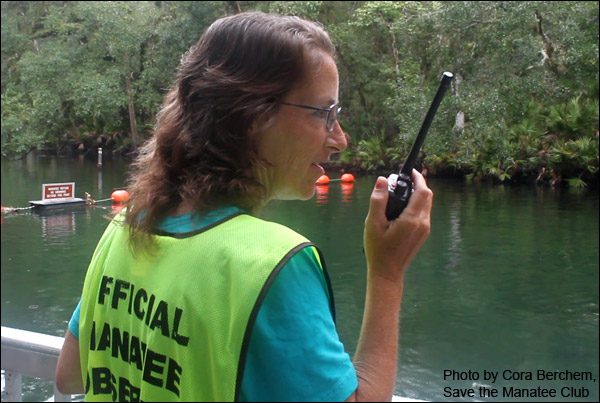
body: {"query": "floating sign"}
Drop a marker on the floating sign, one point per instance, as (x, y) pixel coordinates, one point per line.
(52, 191)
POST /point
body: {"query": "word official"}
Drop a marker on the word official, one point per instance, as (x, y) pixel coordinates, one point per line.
(143, 307)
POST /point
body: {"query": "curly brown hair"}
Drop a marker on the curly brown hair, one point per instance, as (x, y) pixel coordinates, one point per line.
(228, 83)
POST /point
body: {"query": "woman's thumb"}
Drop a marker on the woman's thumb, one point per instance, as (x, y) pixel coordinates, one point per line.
(379, 197)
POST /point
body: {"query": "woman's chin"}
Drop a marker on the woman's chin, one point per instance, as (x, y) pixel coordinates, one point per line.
(306, 193)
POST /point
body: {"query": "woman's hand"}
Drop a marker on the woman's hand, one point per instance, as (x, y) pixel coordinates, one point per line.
(391, 245)
(389, 248)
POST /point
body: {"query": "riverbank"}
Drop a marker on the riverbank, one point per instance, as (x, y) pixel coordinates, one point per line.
(104, 148)
(335, 168)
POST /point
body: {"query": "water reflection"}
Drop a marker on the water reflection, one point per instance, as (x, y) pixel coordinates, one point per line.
(100, 181)
(347, 190)
(57, 226)
(455, 235)
(322, 194)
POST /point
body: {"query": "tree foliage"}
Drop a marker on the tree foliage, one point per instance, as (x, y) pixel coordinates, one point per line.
(523, 105)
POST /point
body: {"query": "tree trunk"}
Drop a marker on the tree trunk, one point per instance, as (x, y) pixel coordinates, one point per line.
(132, 119)
(548, 49)
(74, 129)
(459, 122)
(234, 6)
(395, 53)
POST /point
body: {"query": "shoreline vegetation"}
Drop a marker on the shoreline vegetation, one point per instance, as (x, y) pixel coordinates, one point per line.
(522, 108)
(336, 168)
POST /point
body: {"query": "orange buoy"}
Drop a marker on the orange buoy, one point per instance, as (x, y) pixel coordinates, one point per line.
(119, 196)
(323, 180)
(347, 178)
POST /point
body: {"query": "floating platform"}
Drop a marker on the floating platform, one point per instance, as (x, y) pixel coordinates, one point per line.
(64, 202)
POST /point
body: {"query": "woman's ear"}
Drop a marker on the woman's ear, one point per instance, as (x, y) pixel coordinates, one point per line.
(261, 124)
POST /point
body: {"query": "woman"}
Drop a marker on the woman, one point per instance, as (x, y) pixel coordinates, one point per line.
(190, 296)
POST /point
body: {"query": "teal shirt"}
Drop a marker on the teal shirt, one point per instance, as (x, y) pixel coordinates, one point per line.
(295, 353)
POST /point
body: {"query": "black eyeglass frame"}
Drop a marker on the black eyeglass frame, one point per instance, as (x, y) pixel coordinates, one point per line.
(329, 125)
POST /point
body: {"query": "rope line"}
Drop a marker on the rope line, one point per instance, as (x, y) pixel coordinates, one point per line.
(16, 209)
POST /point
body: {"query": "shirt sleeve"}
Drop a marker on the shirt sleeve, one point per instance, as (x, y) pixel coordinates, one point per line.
(295, 353)
(74, 322)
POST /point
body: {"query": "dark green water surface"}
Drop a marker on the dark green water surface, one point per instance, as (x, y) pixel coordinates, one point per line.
(507, 283)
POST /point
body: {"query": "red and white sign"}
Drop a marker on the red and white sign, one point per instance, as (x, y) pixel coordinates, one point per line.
(58, 190)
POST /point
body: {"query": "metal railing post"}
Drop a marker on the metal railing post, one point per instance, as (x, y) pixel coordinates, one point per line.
(14, 386)
(31, 354)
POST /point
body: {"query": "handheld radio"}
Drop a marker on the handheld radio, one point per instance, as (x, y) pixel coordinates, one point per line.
(400, 185)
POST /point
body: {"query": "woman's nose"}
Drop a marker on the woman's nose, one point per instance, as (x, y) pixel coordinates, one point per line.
(337, 138)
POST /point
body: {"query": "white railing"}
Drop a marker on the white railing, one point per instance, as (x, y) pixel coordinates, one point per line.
(35, 355)
(30, 354)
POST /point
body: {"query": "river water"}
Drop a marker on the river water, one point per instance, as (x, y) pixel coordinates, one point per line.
(507, 283)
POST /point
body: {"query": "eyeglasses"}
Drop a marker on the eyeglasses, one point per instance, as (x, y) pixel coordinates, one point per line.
(332, 113)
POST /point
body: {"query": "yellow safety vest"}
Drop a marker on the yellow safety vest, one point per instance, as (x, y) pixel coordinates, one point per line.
(176, 326)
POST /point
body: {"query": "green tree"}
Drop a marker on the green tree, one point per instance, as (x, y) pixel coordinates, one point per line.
(523, 102)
